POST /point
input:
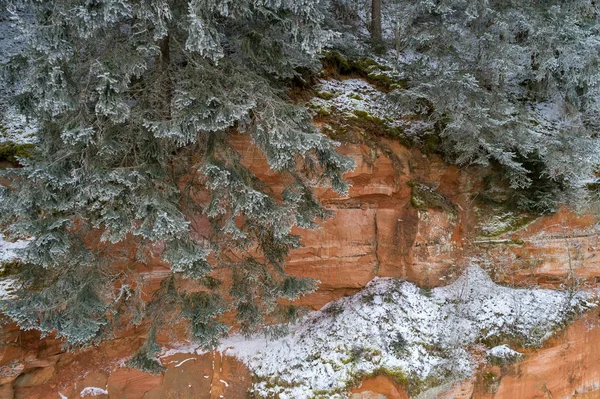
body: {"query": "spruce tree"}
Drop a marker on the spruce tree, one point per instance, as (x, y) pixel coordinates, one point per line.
(137, 103)
(509, 82)
(514, 84)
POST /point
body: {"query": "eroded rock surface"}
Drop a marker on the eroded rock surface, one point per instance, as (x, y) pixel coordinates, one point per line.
(382, 228)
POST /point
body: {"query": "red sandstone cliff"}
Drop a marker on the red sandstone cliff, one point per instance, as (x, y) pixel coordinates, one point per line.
(383, 228)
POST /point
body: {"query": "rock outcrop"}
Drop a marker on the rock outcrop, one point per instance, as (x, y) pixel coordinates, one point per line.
(407, 215)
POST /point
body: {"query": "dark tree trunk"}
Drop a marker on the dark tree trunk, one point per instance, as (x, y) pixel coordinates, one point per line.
(165, 84)
(376, 39)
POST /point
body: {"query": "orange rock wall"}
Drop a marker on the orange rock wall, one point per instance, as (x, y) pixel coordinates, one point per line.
(376, 231)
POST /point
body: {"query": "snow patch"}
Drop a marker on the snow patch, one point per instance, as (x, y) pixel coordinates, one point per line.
(14, 127)
(504, 353)
(395, 327)
(7, 288)
(358, 99)
(183, 361)
(93, 391)
(351, 95)
(181, 347)
(8, 250)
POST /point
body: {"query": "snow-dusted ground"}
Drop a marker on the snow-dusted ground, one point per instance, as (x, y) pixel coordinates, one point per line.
(8, 249)
(7, 254)
(395, 327)
(93, 391)
(353, 97)
(504, 353)
(15, 128)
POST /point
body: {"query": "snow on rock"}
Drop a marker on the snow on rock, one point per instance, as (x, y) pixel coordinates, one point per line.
(15, 128)
(504, 353)
(7, 288)
(8, 249)
(93, 391)
(358, 99)
(184, 361)
(8, 253)
(351, 95)
(395, 327)
(180, 347)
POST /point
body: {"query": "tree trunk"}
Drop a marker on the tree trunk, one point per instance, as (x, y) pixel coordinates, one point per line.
(376, 39)
(165, 84)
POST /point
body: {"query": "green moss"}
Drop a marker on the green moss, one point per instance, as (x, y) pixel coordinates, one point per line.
(365, 116)
(511, 223)
(432, 144)
(494, 340)
(367, 68)
(491, 382)
(336, 60)
(413, 386)
(319, 110)
(398, 134)
(323, 111)
(397, 375)
(336, 131)
(367, 64)
(387, 82)
(9, 268)
(355, 96)
(424, 198)
(325, 95)
(10, 151)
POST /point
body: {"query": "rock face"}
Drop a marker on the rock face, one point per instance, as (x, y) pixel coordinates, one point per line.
(380, 387)
(407, 215)
(377, 230)
(567, 367)
(39, 369)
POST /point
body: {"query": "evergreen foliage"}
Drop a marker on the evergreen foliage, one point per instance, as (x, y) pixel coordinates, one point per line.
(138, 103)
(515, 83)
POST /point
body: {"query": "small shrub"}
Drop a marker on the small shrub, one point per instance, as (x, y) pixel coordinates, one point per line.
(334, 309)
(399, 344)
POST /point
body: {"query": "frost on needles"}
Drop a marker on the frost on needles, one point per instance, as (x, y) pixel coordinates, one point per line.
(512, 84)
(136, 102)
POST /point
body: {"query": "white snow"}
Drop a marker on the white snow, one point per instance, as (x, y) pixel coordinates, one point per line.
(180, 347)
(183, 361)
(498, 223)
(8, 252)
(398, 328)
(351, 96)
(503, 352)
(93, 391)
(7, 288)
(8, 249)
(14, 127)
